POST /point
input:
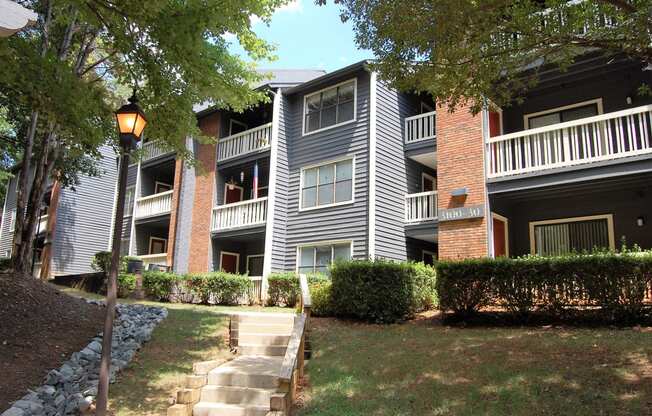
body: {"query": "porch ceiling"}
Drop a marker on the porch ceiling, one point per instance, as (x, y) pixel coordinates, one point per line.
(428, 159)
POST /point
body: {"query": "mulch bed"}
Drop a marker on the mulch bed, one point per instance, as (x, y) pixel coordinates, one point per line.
(40, 327)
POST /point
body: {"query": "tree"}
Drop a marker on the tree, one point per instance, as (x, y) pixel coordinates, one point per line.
(61, 81)
(462, 51)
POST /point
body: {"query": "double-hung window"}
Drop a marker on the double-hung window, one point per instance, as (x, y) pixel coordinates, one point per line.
(566, 235)
(329, 107)
(130, 197)
(328, 184)
(318, 258)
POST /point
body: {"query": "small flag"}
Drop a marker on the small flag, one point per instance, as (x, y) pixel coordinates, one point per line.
(255, 184)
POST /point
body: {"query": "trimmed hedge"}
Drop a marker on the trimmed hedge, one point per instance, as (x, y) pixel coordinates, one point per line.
(381, 291)
(320, 294)
(219, 287)
(160, 285)
(284, 289)
(616, 283)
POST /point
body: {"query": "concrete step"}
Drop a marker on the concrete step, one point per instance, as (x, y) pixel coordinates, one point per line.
(262, 339)
(263, 328)
(265, 318)
(222, 409)
(261, 350)
(248, 371)
(236, 395)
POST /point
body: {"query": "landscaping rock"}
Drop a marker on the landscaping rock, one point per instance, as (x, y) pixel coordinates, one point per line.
(72, 388)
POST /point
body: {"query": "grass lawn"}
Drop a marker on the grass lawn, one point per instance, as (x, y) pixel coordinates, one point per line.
(423, 368)
(190, 333)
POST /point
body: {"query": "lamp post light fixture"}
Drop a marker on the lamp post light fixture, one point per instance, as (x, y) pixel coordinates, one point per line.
(131, 122)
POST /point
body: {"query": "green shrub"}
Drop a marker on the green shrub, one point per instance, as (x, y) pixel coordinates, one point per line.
(160, 285)
(5, 264)
(219, 287)
(126, 284)
(614, 282)
(377, 291)
(425, 288)
(320, 294)
(101, 262)
(284, 288)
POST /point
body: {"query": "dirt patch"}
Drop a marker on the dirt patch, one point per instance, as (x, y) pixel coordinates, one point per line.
(39, 328)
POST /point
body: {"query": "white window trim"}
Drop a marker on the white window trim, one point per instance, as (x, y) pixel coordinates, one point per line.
(355, 107)
(527, 117)
(253, 256)
(226, 188)
(424, 176)
(152, 239)
(330, 162)
(158, 183)
(431, 253)
(505, 221)
(608, 217)
(237, 260)
(133, 197)
(320, 244)
(240, 123)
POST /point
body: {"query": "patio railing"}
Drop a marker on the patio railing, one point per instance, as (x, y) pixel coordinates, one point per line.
(248, 141)
(157, 204)
(421, 206)
(240, 214)
(420, 127)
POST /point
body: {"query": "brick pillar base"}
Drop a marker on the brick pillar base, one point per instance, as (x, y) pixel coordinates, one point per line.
(202, 209)
(460, 166)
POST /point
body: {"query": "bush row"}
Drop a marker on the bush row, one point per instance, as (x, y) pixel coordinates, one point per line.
(284, 289)
(207, 288)
(616, 283)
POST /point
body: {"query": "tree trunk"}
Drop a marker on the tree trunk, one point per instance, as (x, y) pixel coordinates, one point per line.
(23, 258)
(21, 193)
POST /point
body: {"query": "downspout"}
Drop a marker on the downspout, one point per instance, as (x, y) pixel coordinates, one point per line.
(271, 194)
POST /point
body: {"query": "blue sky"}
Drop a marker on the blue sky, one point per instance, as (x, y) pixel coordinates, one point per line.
(309, 36)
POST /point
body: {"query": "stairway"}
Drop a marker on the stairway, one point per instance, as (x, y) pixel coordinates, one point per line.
(244, 386)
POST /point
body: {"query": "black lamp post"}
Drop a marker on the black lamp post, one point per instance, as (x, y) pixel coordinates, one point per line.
(131, 123)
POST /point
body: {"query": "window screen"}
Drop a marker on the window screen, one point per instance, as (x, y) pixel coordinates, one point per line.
(329, 107)
(575, 236)
(570, 114)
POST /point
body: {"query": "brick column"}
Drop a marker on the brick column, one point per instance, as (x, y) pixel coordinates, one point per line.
(460, 164)
(202, 209)
(174, 213)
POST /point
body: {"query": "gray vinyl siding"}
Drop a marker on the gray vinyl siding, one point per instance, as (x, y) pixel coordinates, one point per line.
(279, 237)
(6, 235)
(243, 248)
(414, 171)
(184, 216)
(84, 219)
(344, 222)
(393, 172)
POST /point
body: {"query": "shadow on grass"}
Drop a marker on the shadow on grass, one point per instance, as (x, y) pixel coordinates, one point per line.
(428, 369)
(189, 334)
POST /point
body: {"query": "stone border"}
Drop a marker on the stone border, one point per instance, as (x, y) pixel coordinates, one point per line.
(72, 388)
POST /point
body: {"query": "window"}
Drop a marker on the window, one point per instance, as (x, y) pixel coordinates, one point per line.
(566, 235)
(161, 187)
(329, 107)
(236, 127)
(563, 114)
(317, 258)
(157, 245)
(130, 195)
(124, 247)
(328, 184)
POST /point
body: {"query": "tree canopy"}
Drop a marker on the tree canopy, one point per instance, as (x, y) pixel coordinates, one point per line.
(466, 50)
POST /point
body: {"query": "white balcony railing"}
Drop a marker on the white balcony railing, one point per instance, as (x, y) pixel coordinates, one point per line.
(248, 141)
(421, 127)
(153, 150)
(240, 214)
(421, 207)
(608, 136)
(160, 259)
(156, 204)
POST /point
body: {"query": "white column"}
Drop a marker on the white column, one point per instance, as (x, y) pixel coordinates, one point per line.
(271, 192)
(371, 237)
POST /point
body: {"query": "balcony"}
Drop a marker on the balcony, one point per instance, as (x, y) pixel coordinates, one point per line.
(420, 128)
(152, 150)
(153, 205)
(160, 259)
(247, 142)
(239, 215)
(421, 207)
(610, 136)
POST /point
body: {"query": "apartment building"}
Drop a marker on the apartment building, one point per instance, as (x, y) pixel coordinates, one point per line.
(340, 165)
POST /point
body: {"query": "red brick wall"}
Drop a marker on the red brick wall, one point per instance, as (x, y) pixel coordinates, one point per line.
(460, 164)
(172, 233)
(200, 239)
